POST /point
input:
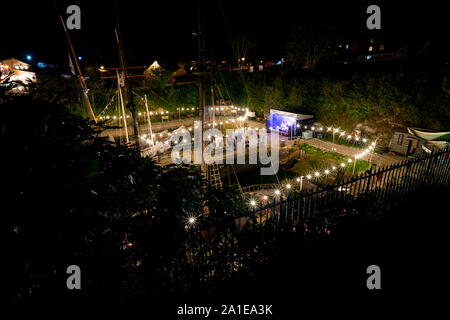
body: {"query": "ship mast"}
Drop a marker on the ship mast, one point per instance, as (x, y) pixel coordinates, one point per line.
(80, 77)
(128, 89)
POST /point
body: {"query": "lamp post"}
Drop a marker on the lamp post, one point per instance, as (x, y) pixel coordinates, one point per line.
(371, 153)
(301, 182)
(332, 129)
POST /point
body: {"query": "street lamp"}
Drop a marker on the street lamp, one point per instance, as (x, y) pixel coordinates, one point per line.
(301, 182)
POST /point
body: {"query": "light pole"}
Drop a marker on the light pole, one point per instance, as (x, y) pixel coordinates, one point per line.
(301, 182)
(371, 153)
(332, 128)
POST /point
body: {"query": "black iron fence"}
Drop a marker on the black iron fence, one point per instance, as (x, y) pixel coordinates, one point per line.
(371, 193)
(215, 253)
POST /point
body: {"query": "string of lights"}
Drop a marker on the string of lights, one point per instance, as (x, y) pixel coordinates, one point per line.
(341, 133)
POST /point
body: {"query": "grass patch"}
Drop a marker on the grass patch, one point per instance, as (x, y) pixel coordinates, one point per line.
(318, 160)
(343, 141)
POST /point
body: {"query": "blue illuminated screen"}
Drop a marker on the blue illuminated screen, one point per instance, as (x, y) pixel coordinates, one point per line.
(281, 123)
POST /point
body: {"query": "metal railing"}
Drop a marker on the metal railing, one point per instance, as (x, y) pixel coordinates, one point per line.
(373, 193)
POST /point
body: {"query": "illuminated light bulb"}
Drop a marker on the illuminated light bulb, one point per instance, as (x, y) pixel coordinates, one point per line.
(182, 109)
(184, 140)
(298, 125)
(342, 164)
(265, 197)
(312, 128)
(140, 113)
(277, 192)
(321, 129)
(191, 220)
(316, 174)
(114, 117)
(342, 133)
(349, 160)
(193, 139)
(151, 113)
(253, 203)
(308, 176)
(327, 171)
(373, 144)
(349, 136)
(190, 129)
(288, 186)
(306, 127)
(364, 140)
(160, 135)
(298, 179)
(329, 129)
(357, 138)
(334, 168)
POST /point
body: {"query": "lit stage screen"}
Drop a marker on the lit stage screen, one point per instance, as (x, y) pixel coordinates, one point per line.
(281, 123)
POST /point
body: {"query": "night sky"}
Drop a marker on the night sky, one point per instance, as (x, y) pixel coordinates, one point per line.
(162, 30)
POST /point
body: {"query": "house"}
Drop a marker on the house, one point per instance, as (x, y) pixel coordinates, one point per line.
(404, 143)
(18, 72)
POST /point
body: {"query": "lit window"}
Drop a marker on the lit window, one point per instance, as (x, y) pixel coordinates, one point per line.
(370, 48)
(382, 47)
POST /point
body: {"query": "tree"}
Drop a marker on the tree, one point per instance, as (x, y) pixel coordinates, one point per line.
(308, 45)
(243, 45)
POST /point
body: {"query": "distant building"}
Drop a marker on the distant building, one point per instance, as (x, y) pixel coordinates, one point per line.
(17, 74)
